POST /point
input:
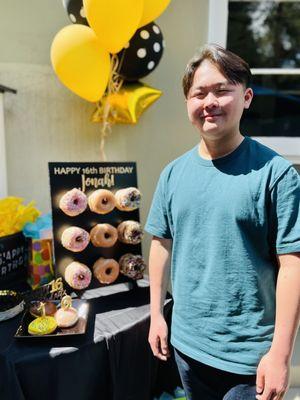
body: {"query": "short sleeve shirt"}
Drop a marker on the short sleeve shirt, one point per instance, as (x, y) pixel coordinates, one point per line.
(228, 218)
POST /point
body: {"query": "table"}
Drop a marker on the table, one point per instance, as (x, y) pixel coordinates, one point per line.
(112, 360)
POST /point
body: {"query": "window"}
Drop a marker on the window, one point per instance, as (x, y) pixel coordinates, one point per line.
(266, 34)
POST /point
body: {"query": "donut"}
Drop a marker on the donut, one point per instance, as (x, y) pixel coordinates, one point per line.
(128, 199)
(73, 203)
(130, 232)
(103, 235)
(102, 201)
(132, 265)
(42, 326)
(106, 270)
(75, 239)
(36, 310)
(66, 316)
(78, 275)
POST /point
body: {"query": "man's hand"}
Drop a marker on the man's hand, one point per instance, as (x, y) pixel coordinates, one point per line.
(272, 377)
(158, 337)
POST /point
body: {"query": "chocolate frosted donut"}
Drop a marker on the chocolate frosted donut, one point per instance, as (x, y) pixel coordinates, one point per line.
(106, 270)
(78, 275)
(36, 310)
(130, 232)
(132, 265)
(128, 199)
(73, 203)
(75, 239)
(102, 201)
(104, 235)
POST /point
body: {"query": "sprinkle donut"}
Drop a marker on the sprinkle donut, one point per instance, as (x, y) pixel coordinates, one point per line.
(106, 270)
(102, 201)
(78, 275)
(132, 265)
(130, 232)
(73, 203)
(103, 235)
(128, 199)
(75, 239)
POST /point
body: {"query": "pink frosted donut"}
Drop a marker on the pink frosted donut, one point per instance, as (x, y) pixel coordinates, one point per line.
(78, 275)
(73, 203)
(75, 239)
(66, 318)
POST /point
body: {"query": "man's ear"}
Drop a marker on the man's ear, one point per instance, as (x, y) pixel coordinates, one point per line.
(248, 96)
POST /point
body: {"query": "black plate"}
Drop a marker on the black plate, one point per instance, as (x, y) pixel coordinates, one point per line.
(78, 329)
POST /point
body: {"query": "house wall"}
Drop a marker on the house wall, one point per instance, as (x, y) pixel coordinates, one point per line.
(46, 122)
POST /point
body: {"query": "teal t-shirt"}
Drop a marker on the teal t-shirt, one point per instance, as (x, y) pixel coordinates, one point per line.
(228, 219)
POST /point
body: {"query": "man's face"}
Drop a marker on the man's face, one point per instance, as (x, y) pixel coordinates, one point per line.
(214, 105)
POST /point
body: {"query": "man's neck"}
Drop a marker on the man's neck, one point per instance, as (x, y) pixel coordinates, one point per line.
(211, 150)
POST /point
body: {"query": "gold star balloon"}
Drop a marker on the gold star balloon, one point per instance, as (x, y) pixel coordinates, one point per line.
(127, 105)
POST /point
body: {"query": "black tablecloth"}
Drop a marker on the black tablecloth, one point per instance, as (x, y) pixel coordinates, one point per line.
(112, 360)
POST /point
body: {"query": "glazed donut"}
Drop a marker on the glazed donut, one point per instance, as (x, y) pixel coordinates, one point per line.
(75, 239)
(128, 199)
(104, 235)
(132, 265)
(102, 201)
(78, 275)
(73, 203)
(106, 270)
(130, 232)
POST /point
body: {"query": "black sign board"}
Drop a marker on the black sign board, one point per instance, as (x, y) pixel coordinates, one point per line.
(89, 177)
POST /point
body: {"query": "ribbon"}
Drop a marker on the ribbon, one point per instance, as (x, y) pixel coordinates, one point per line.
(114, 85)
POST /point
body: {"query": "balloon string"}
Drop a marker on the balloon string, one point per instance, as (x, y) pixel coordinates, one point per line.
(114, 85)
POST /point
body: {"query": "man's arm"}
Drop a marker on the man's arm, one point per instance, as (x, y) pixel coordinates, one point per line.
(159, 272)
(273, 369)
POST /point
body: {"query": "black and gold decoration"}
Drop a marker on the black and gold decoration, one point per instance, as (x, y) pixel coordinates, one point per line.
(84, 260)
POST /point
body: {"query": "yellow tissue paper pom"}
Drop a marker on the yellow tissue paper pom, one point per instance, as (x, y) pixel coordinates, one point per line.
(14, 215)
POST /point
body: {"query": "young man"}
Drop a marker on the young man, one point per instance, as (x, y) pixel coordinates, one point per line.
(225, 216)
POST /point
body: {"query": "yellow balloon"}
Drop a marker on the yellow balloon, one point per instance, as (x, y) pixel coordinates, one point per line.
(152, 10)
(126, 106)
(80, 62)
(114, 21)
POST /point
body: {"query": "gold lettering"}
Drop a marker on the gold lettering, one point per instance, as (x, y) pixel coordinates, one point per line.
(105, 181)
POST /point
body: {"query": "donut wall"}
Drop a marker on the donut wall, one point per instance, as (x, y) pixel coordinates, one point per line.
(96, 223)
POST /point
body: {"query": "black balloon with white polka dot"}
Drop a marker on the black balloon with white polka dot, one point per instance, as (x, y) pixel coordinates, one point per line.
(75, 11)
(142, 54)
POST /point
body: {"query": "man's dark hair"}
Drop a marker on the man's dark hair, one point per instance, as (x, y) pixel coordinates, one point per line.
(233, 67)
